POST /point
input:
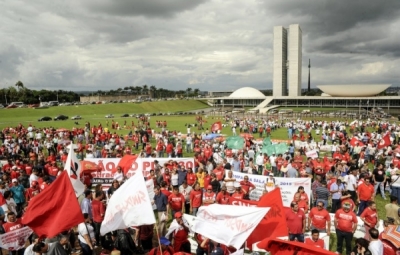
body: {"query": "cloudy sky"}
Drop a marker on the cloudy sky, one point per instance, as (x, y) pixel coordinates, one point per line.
(211, 45)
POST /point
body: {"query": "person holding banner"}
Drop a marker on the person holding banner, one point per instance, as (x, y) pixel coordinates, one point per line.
(180, 235)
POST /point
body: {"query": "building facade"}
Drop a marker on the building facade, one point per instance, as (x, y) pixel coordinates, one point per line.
(287, 51)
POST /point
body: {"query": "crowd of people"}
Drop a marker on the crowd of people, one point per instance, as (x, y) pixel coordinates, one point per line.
(345, 179)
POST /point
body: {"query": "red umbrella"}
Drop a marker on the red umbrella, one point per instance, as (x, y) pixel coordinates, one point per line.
(392, 234)
(247, 136)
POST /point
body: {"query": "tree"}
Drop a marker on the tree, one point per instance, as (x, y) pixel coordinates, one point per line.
(145, 89)
(188, 91)
(138, 90)
(153, 90)
(19, 85)
(196, 92)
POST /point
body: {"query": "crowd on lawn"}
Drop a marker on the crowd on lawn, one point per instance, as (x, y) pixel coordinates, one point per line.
(345, 180)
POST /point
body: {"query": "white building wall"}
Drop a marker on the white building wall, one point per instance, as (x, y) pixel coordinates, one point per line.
(294, 60)
(279, 65)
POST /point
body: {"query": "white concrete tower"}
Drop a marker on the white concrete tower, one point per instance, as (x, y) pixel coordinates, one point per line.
(280, 60)
(294, 60)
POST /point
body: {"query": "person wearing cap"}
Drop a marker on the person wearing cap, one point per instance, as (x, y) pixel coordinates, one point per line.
(164, 248)
(18, 193)
(270, 182)
(296, 223)
(209, 197)
(32, 191)
(365, 193)
(180, 235)
(346, 224)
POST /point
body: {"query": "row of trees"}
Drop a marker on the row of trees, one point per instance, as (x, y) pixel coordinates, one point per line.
(153, 91)
(20, 93)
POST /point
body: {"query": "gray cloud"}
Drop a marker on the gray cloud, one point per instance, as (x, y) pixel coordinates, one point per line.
(210, 45)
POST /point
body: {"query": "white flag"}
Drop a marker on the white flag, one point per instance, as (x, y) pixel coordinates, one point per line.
(129, 206)
(73, 167)
(227, 224)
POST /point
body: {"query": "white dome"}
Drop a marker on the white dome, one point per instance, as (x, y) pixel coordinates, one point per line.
(353, 90)
(247, 92)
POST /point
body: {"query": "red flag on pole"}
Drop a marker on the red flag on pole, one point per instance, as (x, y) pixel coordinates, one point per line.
(384, 142)
(216, 126)
(274, 223)
(355, 140)
(126, 162)
(54, 210)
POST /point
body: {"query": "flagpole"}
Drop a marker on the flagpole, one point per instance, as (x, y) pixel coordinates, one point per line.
(158, 237)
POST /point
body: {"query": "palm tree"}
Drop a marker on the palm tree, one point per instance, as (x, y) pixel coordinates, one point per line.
(153, 90)
(19, 85)
(145, 89)
(196, 92)
(138, 90)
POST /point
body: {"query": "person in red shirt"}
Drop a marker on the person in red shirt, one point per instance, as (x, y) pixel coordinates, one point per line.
(32, 191)
(315, 241)
(296, 222)
(370, 218)
(98, 212)
(169, 149)
(12, 222)
(223, 197)
(219, 172)
(247, 187)
(365, 193)
(302, 205)
(209, 196)
(53, 171)
(190, 177)
(166, 176)
(180, 235)
(238, 194)
(176, 201)
(346, 224)
(148, 149)
(207, 179)
(164, 189)
(319, 219)
(195, 199)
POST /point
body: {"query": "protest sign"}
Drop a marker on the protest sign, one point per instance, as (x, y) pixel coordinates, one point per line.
(312, 154)
(108, 166)
(289, 186)
(16, 239)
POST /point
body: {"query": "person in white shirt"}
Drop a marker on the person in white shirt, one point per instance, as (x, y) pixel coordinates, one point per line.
(86, 235)
(29, 249)
(260, 162)
(119, 175)
(375, 245)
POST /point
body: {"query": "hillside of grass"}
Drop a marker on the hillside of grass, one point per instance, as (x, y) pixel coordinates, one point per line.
(99, 110)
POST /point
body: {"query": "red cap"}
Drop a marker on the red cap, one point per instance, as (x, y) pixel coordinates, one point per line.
(178, 214)
(209, 187)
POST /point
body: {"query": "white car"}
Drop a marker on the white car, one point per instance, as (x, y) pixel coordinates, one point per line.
(109, 116)
(76, 117)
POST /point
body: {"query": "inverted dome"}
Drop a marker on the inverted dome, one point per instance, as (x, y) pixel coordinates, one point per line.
(247, 92)
(353, 90)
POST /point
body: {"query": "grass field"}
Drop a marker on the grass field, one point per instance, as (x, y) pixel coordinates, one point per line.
(95, 115)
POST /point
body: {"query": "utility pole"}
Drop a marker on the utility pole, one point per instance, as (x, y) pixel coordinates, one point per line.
(309, 72)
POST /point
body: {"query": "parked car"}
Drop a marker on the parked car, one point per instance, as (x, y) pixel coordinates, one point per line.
(109, 116)
(45, 118)
(76, 117)
(124, 115)
(61, 117)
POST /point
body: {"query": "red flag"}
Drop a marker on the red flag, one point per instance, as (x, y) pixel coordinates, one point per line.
(54, 210)
(355, 140)
(384, 142)
(2, 199)
(281, 247)
(126, 163)
(274, 223)
(216, 126)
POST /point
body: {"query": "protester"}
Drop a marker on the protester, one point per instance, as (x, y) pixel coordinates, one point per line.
(365, 193)
(98, 212)
(163, 249)
(319, 219)
(370, 218)
(345, 224)
(375, 245)
(361, 247)
(336, 190)
(314, 240)
(393, 210)
(296, 223)
(86, 235)
(180, 235)
(162, 206)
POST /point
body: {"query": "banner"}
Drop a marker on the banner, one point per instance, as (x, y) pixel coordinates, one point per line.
(150, 190)
(110, 164)
(16, 239)
(312, 154)
(289, 186)
(129, 206)
(73, 168)
(228, 226)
